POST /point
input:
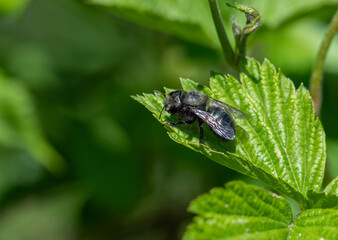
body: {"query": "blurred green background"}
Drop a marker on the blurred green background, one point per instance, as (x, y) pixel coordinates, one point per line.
(79, 158)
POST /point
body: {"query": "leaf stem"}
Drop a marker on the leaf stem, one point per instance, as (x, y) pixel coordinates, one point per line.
(226, 47)
(316, 79)
(294, 217)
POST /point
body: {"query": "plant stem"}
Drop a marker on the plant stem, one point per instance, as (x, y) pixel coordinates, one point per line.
(226, 47)
(253, 19)
(294, 218)
(317, 74)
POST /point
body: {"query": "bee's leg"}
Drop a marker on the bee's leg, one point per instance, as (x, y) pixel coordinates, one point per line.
(175, 124)
(200, 124)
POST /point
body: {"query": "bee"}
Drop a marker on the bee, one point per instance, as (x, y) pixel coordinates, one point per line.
(192, 105)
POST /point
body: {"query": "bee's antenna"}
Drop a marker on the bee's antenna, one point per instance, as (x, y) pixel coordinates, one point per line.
(159, 117)
(156, 91)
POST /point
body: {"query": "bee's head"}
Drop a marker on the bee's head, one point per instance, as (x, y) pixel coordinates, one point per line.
(172, 101)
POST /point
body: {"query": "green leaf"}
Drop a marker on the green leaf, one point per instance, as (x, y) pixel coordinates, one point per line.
(280, 143)
(277, 13)
(19, 127)
(241, 211)
(322, 199)
(191, 19)
(326, 199)
(13, 6)
(332, 157)
(315, 224)
(332, 187)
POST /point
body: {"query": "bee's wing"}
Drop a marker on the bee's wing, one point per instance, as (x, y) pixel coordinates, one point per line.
(219, 126)
(235, 112)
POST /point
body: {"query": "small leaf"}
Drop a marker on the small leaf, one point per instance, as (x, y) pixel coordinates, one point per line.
(241, 211)
(280, 143)
(332, 187)
(253, 18)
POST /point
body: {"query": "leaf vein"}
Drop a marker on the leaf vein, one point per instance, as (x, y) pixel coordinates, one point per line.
(276, 134)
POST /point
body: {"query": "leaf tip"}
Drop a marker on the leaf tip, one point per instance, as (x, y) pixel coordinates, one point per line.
(134, 96)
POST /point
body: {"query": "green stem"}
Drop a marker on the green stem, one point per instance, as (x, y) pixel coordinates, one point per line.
(317, 74)
(226, 47)
(253, 19)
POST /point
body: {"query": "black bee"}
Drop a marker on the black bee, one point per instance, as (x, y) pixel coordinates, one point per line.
(192, 105)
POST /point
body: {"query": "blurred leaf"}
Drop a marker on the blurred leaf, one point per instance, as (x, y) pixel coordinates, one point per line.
(30, 64)
(280, 143)
(17, 168)
(191, 19)
(305, 37)
(276, 43)
(241, 211)
(332, 156)
(12, 6)
(43, 218)
(275, 13)
(19, 127)
(187, 19)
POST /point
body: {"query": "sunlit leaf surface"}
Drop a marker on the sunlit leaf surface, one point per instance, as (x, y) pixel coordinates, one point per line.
(241, 211)
(332, 187)
(315, 224)
(281, 142)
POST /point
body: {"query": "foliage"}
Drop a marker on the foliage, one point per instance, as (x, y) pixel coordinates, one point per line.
(69, 69)
(13, 6)
(281, 143)
(197, 25)
(274, 40)
(241, 211)
(169, 16)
